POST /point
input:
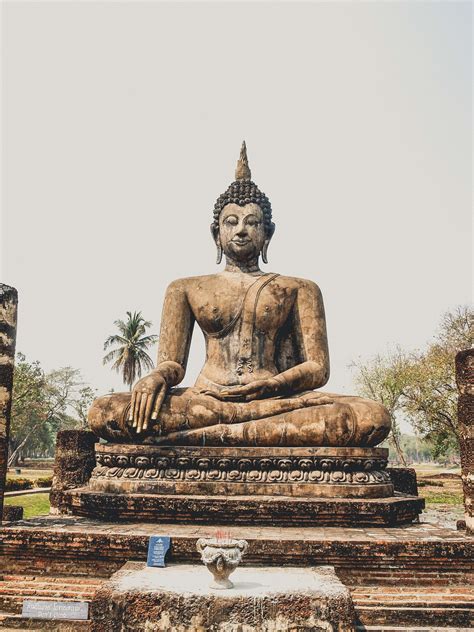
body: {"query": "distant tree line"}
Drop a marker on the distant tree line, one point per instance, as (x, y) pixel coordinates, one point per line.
(415, 449)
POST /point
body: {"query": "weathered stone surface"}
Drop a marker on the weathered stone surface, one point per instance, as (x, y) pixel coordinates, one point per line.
(404, 480)
(266, 353)
(12, 513)
(74, 462)
(56, 545)
(465, 382)
(8, 317)
(305, 472)
(241, 510)
(177, 599)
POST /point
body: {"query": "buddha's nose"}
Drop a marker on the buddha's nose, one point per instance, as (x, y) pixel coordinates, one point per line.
(242, 230)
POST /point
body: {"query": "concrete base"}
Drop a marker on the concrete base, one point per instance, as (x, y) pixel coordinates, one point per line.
(178, 598)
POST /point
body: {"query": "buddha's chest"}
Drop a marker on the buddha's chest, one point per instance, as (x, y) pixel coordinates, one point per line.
(232, 306)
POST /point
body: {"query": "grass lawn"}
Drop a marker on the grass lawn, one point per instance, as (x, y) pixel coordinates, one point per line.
(438, 489)
(428, 469)
(441, 498)
(33, 504)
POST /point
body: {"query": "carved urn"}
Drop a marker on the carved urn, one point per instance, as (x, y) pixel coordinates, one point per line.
(221, 558)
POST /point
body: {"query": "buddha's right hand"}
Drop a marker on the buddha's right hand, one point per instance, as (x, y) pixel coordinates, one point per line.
(147, 397)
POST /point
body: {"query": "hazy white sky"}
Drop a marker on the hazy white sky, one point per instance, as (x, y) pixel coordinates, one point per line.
(122, 123)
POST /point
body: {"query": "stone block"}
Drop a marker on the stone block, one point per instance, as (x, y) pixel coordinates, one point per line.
(12, 513)
(178, 598)
(73, 465)
(404, 480)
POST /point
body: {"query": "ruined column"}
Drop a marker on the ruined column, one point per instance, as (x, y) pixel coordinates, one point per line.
(8, 315)
(73, 465)
(465, 382)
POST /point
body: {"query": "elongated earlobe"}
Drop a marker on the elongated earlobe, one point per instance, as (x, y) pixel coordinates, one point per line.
(266, 243)
(215, 236)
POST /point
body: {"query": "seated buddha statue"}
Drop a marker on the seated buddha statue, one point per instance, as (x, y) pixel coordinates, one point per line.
(266, 353)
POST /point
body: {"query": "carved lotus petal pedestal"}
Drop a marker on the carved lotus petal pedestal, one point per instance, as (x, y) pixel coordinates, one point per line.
(247, 485)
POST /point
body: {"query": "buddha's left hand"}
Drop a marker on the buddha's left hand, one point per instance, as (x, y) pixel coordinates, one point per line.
(248, 392)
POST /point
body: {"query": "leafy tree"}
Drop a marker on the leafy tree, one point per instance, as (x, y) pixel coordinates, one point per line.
(384, 379)
(430, 398)
(130, 355)
(44, 403)
(421, 384)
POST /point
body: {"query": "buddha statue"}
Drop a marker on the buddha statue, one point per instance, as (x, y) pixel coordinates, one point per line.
(266, 354)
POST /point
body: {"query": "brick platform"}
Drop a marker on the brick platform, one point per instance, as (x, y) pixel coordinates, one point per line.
(59, 544)
(396, 575)
(241, 510)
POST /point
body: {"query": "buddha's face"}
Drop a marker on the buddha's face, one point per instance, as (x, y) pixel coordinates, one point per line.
(241, 231)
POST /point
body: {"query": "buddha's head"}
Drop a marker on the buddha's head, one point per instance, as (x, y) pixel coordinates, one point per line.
(242, 226)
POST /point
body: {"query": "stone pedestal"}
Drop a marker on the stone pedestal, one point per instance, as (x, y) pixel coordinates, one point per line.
(465, 382)
(295, 472)
(273, 486)
(178, 598)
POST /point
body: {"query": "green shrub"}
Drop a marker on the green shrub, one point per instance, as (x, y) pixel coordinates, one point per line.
(45, 481)
(15, 484)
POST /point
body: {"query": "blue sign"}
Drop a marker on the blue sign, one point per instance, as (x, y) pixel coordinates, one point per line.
(157, 549)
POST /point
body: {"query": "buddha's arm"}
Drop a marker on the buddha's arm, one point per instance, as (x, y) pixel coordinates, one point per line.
(310, 334)
(177, 323)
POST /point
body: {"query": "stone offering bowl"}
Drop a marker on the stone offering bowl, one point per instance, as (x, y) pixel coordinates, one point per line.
(221, 558)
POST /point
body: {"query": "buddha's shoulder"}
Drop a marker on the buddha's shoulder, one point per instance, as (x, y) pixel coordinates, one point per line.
(212, 280)
(187, 283)
(297, 283)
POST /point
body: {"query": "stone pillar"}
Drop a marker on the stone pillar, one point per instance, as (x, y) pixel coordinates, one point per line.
(8, 315)
(73, 464)
(465, 382)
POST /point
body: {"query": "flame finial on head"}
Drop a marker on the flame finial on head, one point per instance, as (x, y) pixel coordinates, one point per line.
(242, 171)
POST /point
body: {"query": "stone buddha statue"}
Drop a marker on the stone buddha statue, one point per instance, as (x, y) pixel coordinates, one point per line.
(266, 354)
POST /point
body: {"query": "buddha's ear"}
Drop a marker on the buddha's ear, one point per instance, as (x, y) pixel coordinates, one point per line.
(266, 243)
(217, 239)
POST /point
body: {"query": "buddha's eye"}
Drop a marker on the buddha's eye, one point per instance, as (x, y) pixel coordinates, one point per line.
(253, 221)
(232, 220)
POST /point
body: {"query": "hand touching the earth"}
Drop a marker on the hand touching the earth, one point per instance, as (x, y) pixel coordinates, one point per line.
(147, 398)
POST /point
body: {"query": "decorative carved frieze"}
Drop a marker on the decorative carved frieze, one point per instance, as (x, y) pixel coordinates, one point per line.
(310, 468)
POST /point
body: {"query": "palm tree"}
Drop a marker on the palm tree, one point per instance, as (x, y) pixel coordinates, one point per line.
(130, 356)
